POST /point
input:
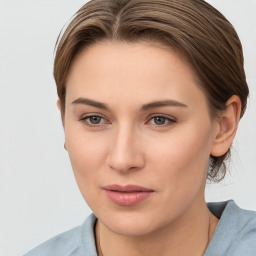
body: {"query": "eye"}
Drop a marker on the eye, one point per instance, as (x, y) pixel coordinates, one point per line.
(161, 121)
(94, 120)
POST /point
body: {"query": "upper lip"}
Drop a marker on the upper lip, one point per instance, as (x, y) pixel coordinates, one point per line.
(127, 188)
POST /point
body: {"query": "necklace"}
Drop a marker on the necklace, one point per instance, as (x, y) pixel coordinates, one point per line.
(209, 230)
(101, 254)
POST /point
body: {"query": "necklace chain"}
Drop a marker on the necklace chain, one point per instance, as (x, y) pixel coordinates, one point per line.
(209, 229)
(101, 254)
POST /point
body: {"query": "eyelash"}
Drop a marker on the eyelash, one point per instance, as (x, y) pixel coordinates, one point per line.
(170, 121)
(86, 122)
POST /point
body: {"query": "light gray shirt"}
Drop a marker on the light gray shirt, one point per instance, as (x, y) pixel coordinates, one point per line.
(235, 235)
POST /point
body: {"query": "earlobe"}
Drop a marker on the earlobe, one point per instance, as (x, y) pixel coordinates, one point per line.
(59, 104)
(227, 124)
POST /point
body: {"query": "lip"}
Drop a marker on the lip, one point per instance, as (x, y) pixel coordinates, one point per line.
(128, 195)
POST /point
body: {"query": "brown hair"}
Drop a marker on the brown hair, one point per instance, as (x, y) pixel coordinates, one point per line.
(195, 28)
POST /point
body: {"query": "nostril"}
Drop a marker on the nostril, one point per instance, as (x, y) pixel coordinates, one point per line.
(125, 153)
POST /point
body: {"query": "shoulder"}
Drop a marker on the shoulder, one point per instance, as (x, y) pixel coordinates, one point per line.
(236, 232)
(230, 210)
(75, 242)
(64, 244)
(234, 217)
(244, 227)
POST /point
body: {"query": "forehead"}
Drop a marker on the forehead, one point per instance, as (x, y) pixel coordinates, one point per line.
(131, 71)
(112, 56)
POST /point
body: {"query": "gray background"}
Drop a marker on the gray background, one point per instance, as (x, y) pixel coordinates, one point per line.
(38, 194)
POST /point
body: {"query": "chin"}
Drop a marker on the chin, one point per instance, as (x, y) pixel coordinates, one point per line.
(129, 224)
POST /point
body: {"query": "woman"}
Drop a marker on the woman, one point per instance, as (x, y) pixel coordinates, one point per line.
(151, 94)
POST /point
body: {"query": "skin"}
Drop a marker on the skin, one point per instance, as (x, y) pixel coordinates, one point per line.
(128, 146)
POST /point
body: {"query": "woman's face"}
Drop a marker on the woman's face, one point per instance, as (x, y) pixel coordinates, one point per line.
(136, 116)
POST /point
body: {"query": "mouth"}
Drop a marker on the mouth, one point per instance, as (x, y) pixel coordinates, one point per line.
(128, 195)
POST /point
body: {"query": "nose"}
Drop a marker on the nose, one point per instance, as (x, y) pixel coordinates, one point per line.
(125, 153)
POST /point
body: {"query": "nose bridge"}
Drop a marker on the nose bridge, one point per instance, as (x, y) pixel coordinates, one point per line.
(125, 153)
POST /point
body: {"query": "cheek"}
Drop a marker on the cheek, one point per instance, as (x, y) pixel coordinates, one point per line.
(87, 156)
(183, 156)
(86, 149)
(179, 167)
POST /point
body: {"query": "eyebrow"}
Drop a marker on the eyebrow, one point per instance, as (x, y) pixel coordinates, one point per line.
(164, 103)
(155, 104)
(90, 102)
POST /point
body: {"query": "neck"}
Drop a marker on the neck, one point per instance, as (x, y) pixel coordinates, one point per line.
(189, 235)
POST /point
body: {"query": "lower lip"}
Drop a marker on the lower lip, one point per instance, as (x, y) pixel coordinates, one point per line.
(127, 198)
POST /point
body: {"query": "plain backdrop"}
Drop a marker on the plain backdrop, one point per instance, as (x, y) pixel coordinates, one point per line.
(39, 197)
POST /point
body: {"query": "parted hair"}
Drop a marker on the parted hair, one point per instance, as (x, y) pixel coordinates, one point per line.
(192, 27)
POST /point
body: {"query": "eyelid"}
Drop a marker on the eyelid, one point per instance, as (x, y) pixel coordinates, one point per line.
(171, 119)
(84, 119)
(162, 115)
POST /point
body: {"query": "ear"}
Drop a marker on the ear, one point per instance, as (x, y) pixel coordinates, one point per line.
(59, 107)
(59, 104)
(226, 126)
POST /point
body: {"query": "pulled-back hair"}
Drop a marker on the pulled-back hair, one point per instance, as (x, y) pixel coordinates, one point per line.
(192, 27)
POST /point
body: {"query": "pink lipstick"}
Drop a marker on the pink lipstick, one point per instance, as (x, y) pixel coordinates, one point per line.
(128, 195)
